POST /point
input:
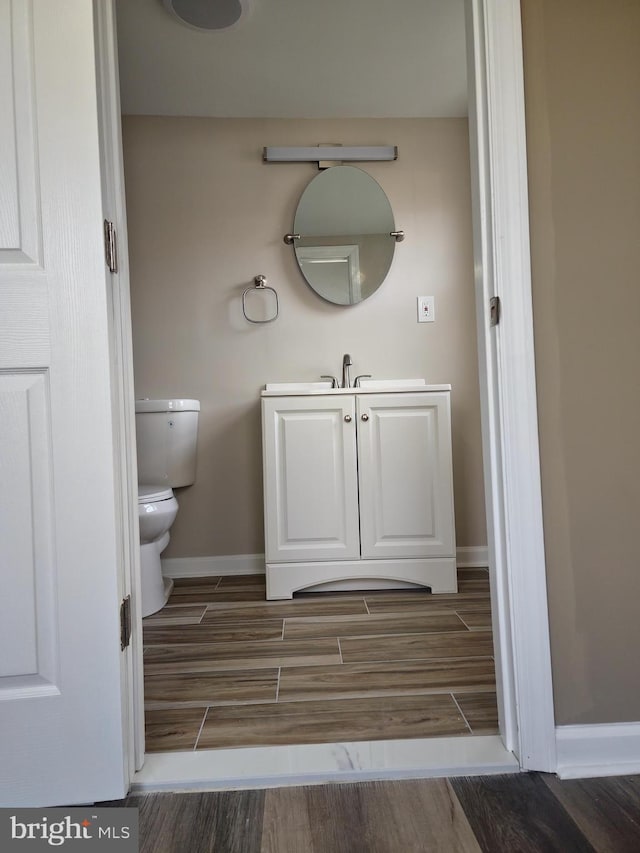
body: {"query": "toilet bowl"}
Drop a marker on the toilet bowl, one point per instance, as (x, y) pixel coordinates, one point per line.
(157, 510)
(166, 441)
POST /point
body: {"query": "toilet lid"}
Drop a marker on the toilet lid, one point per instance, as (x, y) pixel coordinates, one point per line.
(151, 494)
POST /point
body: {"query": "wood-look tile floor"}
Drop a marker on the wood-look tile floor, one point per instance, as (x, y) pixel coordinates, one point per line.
(226, 668)
(520, 813)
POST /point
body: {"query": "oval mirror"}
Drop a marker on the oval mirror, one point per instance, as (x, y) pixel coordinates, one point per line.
(345, 247)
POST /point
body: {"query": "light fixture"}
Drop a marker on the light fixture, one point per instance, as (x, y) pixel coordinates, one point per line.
(318, 153)
(208, 15)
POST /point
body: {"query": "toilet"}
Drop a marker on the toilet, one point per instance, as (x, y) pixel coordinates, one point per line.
(166, 434)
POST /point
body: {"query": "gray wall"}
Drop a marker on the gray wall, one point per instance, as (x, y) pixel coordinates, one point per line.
(206, 216)
(582, 70)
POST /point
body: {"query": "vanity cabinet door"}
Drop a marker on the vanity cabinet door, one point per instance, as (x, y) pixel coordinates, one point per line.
(405, 475)
(310, 478)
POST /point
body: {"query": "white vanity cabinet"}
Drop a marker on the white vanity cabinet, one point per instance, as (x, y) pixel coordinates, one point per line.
(358, 491)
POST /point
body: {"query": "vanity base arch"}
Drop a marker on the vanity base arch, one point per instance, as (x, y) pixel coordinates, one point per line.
(358, 490)
(283, 579)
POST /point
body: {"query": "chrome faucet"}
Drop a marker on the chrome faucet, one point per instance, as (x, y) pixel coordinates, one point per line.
(346, 364)
(334, 381)
(356, 384)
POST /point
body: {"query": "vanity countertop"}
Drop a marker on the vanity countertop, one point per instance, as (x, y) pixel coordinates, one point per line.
(368, 386)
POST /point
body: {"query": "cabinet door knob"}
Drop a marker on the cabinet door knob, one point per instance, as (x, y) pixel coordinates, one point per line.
(365, 417)
(347, 418)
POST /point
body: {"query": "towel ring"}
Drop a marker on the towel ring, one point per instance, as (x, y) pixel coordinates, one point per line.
(259, 283)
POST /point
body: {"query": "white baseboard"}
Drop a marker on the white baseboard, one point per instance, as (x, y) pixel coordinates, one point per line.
(202, 567)
(254, 564)
(472, 556)
(598, 750)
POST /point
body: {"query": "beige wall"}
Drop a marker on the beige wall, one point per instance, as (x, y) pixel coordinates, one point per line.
(582, 69)
(206, 215)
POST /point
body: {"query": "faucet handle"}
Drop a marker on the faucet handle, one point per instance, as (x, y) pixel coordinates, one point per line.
(334, 381)
(356, 384)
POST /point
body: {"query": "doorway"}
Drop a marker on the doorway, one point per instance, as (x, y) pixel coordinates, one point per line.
(497, 358)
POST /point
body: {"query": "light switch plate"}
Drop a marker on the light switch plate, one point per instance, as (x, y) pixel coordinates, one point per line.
(426, 309)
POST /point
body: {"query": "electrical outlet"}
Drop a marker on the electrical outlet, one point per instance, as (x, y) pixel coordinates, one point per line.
(426, 309)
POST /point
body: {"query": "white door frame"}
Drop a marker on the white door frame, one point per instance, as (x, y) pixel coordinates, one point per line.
(507, 381)
(121, 357)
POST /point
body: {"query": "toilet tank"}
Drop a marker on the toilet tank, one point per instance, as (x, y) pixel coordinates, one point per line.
(167, 434)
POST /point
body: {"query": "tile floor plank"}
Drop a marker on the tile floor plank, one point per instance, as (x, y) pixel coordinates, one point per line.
(159, 660)
(177, 729)
(219, 596)
(474, 585)
(373, 817)
(468, 602)
(211, 632)
(406, 599)
(368, 704)
(210, 688)
(304, 683)
(480, 711)
(473, 572)
(396, 717)
(249, 579)
(182, 614)
(220, 613)
(475, 620)
(607, 810)
(243, 581)
(366, 626)
(417, 646)
(518, 813)
(184, 588)
(207, 581)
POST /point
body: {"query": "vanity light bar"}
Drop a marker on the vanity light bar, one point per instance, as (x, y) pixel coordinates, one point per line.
(315, 154)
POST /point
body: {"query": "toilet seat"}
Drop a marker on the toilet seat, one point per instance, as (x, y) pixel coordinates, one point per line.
(153, 494)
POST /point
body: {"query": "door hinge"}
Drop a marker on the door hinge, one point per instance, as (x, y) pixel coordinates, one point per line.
(125, 622)
(494, 310)
(110, 246)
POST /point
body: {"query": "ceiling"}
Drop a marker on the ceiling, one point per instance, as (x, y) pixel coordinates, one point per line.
(297, 59)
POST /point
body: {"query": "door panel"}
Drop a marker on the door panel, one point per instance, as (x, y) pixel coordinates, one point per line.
(311, 490)
(60, 670)
(27, 618)
(20, 223)
(406, 494)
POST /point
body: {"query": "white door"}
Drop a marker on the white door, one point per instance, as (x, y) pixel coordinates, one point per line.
(310, 475)
(405, 475)
(61, 705)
